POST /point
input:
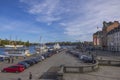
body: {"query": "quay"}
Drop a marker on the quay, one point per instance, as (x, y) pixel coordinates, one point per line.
(62, 58)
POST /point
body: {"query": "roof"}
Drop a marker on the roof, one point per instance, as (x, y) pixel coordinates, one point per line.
(114, 30)
(98, 33)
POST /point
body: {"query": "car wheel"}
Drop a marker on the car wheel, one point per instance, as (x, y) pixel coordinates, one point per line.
(4, 71)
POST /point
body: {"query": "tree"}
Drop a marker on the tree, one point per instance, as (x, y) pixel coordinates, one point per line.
(27, 43)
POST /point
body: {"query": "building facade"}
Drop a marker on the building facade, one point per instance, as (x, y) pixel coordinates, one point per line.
(113, 37)
(107, 27)
(103, 39)
(97, 39)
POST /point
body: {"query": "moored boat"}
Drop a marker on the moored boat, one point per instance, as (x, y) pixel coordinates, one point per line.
(16, 50)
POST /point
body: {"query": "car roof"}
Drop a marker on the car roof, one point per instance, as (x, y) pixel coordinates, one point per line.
(18, 65)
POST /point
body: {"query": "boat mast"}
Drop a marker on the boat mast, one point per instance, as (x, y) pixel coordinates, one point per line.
(40, 45)
(10, 40)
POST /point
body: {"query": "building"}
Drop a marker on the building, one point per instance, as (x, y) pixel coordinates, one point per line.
(100, 38)
(97, 39)
(107, 27)
(113, 41)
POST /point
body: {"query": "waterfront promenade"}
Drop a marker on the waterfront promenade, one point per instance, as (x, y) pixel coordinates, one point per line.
(104, 73)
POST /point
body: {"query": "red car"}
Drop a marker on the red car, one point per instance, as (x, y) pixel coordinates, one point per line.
(14, 68)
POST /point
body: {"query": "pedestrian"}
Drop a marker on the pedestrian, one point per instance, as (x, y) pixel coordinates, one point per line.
(30, 76)
(12, 59)
(8, 60)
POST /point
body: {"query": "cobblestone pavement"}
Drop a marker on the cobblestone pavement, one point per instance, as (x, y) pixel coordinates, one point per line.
(105, 72)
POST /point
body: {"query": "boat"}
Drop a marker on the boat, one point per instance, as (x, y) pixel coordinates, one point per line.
(41, 49)
(56, 46)
(13, 46)
(16, 50)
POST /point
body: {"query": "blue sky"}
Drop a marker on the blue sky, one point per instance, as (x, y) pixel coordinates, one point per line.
(55, 20)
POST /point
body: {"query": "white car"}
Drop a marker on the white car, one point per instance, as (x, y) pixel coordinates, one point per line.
(86, 59)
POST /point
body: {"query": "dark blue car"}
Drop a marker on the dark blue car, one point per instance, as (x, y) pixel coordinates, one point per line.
(26, 65)
(1, 58)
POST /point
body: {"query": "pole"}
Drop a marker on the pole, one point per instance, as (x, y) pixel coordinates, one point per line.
(40, 45)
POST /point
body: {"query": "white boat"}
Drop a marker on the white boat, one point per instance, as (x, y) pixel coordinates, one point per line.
(13, 46)
(56, 46)
(16, 50)
(41, 49)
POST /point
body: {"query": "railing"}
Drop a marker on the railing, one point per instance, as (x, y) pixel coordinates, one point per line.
(81, 69)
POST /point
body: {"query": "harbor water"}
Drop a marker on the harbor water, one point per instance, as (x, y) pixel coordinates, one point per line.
(32, 49)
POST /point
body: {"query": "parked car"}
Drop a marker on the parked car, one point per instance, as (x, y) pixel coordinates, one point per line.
(34, 60)
(2, 59)
(26, 65)
(29, 62)
(14, 68)
(86, 59)
(39, 58)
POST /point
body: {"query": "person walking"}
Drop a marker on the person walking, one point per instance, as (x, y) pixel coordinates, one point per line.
(8, 60)
(12, 59)
(30, 76)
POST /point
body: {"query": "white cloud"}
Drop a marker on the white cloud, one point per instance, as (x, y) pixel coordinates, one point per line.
(95, 12)
(78, 17)
(45, 11)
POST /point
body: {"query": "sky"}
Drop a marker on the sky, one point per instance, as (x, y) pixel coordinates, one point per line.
(55, 20)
